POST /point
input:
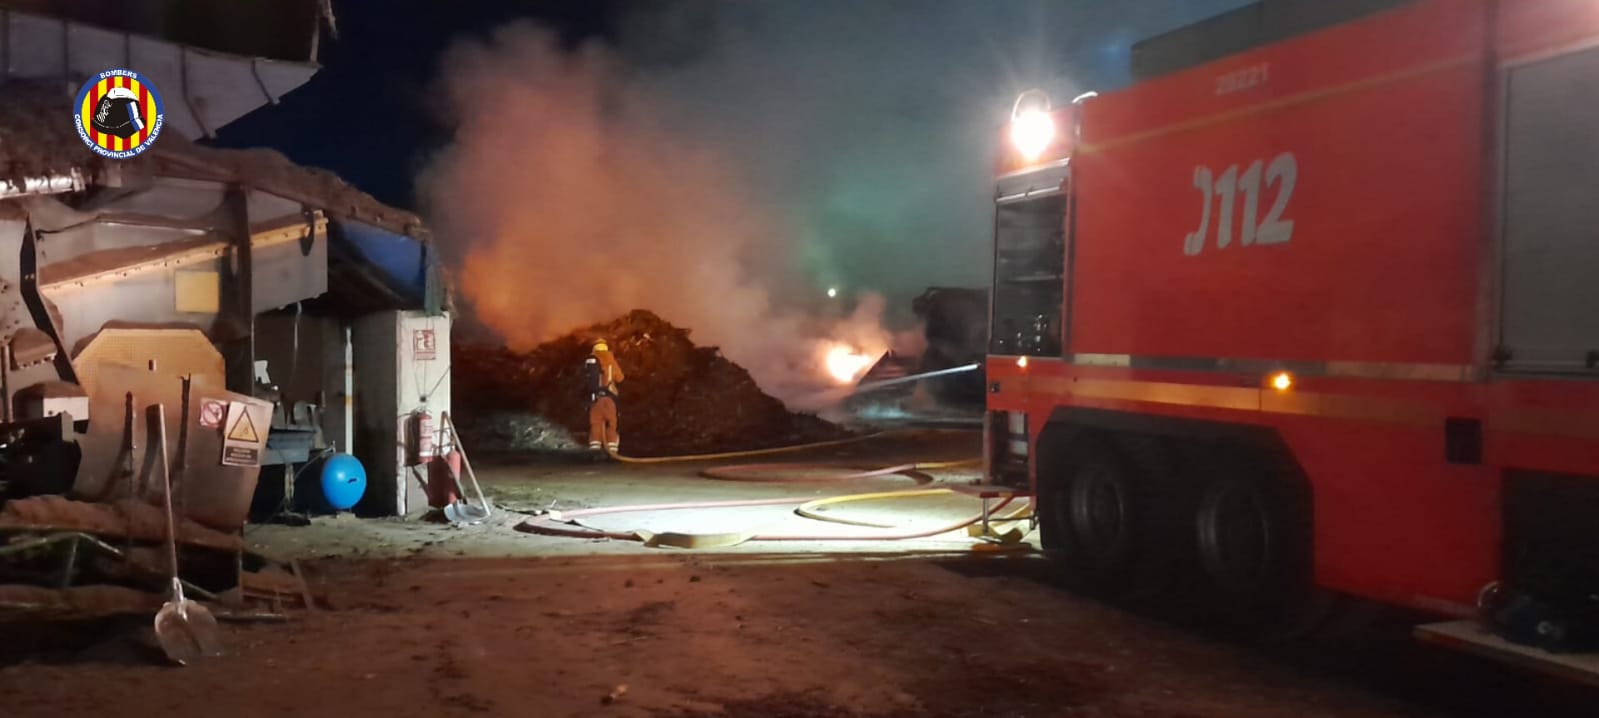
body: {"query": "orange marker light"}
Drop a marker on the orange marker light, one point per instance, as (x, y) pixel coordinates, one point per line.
(1021, 362)
(1282, 381)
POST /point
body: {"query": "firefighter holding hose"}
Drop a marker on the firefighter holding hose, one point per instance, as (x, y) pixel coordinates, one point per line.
(601, 374)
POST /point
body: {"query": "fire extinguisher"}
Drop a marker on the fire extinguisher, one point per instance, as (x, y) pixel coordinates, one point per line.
(419, 438)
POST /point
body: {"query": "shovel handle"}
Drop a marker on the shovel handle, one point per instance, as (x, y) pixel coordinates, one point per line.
(181, 472)
(166, 492)
(455, 437)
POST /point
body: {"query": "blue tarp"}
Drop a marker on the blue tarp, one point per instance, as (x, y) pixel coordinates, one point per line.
(406, 264)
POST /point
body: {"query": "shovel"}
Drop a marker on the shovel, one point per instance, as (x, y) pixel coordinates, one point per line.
(185, 629)
(461, 511)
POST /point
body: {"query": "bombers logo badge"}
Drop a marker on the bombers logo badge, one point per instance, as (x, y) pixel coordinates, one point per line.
(118, 113)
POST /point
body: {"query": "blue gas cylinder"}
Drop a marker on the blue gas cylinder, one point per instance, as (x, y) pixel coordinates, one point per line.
(343, 481)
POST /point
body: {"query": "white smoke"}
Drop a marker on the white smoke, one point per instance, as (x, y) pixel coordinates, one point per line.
(562, 202)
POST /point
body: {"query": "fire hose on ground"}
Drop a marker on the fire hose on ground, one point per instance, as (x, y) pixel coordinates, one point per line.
(567, 523)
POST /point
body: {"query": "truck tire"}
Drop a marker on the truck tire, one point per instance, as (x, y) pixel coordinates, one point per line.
(1093, 503)
(1252, 535)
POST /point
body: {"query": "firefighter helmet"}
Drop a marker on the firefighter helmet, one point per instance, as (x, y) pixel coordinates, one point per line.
(117, 113)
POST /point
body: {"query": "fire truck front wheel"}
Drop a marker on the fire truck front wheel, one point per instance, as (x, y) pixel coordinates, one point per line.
(1099, 513)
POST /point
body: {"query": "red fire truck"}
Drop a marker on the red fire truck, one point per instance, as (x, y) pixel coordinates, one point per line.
(1309, 316)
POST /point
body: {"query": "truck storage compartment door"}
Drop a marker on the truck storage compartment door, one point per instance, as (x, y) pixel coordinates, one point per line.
(1551, 216)
(1029, 275)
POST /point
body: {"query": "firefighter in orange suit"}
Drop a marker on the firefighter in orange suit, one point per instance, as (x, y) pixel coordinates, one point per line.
(601, 375)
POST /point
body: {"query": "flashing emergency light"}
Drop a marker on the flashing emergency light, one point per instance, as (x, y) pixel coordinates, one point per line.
(1282, 381)
(1021, 362)
(1032, 129)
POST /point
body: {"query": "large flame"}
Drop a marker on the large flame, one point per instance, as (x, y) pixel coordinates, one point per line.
(846, 364)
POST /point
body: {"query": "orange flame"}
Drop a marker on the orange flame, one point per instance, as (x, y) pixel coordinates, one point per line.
(845, 364)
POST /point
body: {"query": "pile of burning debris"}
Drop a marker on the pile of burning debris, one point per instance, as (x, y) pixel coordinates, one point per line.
(678, 398)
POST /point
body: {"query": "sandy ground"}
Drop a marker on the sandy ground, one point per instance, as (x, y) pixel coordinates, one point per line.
(425, 620)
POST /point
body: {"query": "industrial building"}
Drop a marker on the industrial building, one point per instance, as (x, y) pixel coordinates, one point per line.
(264, 284)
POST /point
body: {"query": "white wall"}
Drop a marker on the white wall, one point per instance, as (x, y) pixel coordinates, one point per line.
(393, 380)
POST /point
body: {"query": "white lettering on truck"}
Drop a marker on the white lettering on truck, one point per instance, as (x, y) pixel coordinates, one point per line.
(1282, 173)
(1248, 78)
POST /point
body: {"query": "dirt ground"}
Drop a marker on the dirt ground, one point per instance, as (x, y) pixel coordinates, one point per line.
(426, 620)
(688, 637)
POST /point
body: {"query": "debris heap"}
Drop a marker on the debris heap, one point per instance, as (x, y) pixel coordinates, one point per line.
(678, 398)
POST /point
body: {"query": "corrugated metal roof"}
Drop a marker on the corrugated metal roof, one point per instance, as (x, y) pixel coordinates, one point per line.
(278, 29)
(203, 90)
(33, 147)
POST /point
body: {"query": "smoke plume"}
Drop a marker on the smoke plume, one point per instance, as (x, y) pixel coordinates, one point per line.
(563, 203)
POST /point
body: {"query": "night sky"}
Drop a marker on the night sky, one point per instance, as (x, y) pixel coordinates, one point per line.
(367, 114)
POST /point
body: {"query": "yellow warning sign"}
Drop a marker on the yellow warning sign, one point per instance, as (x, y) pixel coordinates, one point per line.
(243, 444)
(243, 429)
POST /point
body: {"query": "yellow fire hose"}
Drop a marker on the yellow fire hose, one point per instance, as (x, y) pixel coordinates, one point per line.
(812, 509)
(754, 472)
(746, 454)
(814, 472)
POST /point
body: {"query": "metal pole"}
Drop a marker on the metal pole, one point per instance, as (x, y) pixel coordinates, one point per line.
(5, 380)
(349, 388)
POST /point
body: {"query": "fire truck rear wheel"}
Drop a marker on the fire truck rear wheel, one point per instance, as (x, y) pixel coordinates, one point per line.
(1253, 545)
(1237, 536)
